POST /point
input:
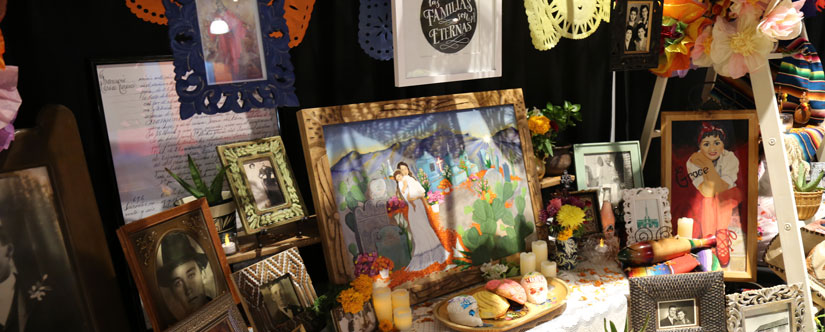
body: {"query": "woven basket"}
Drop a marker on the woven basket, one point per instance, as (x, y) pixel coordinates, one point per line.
(807, 203)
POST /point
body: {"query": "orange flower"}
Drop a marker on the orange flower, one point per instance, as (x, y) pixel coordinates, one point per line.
(539, 124)
(385, 326)
(351, 300)
(363, 285)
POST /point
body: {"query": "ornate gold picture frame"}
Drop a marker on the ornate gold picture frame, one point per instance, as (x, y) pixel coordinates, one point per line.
(261, 179)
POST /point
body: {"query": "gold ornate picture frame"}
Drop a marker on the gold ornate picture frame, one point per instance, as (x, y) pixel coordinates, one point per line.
(262, 183)
(220, 315)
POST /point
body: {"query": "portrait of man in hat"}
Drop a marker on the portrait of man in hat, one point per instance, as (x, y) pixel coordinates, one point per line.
(181, 270)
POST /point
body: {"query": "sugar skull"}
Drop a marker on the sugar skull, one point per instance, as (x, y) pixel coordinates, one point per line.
(463, 309)
(535, 285)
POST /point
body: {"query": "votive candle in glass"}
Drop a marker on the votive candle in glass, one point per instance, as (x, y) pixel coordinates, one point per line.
(548, 269)
(527, 263)
(402, 317)
(400, 298)
(382, 303)
(540, 249)
(685, 228)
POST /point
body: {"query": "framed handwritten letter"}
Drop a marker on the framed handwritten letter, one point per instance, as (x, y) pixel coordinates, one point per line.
(446, 40)
(139, 109)
(709, 162)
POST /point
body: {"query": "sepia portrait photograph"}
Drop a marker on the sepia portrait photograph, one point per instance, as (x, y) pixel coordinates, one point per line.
(637, 31)
(609, 173)
(184, 274)
(263, 183)
(679, 313)
(281, 300)
(38, 289)
(230, 34)
(362, 321)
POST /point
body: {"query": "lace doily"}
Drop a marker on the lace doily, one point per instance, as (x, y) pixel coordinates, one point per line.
(574, 19)
(296, 12)
(375, 28)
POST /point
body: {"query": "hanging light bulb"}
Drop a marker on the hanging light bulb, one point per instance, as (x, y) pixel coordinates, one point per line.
(218, 27)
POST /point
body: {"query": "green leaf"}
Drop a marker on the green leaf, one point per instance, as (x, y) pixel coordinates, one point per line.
(482, 212)
(357, 194)
(186, 186)
(351, 202)
(520, 204)
(216, 186)
(612, 327)
(353, 249)
(498, 208)
(343, 206)
(342, 188)
(507, 219)
(488, 228)
(196, 175)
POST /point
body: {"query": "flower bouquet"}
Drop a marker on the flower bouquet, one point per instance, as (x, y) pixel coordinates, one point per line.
(545, 125)
(565, 218)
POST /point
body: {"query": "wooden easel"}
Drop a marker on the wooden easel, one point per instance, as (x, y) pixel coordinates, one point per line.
(777, 162)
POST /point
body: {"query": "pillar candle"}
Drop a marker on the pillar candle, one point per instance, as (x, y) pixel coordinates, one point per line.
(685, 228)
(400, 298)
(527, 263)
(548, 269)
(540, 249)
(402, 317)
(383, 303)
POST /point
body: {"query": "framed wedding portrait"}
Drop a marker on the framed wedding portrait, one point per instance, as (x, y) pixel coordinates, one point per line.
(697, 146)
(262, 183)
(635, 41)
(678, 302)
(608, 168)
(177, 262)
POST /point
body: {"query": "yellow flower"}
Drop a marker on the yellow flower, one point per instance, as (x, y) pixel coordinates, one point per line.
(351, 300)
(565, 234)
(385, 326)
(538, 124)
(570, 217)
(363, 285)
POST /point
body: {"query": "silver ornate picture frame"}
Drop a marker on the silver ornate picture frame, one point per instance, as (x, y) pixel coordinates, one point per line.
(777, 308)
(262, 183)
(646, 214)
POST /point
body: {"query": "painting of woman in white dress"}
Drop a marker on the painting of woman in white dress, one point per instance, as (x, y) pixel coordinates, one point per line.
(427, 249)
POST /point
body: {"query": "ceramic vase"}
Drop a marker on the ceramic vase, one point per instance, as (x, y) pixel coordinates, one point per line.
(567, 254)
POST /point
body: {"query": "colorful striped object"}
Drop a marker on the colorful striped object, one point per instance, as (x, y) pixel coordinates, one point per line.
(683, 264)
(651, 252)
(802, 72)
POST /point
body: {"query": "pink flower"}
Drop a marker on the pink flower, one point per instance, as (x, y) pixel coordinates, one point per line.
(738, 48)
(784, 22)
(701, 48)
(746, 7)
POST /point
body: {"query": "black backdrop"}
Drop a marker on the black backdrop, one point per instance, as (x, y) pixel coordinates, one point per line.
(53, 41)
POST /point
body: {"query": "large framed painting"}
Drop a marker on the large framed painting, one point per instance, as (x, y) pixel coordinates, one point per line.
(177, 262)
(709, 163)
(608, 168)
(56, 271)
(443, 40)
(434, 184)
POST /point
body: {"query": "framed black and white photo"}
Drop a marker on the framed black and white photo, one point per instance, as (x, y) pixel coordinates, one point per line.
(443, 40)
(362, 321)
(635, 34)
(281, 300)
(691, 302)
(775, 309)
(608, 168)
(646, 214)
(261, 179)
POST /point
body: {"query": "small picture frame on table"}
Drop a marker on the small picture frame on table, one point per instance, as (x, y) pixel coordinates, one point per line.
(362, 321)
(778, 308)
(635, 32)
(646, 214)
(592, 215)
(679, 302)
(608, 168)
(262, 183)
(220, 315)
(277, 292)
(177, 262)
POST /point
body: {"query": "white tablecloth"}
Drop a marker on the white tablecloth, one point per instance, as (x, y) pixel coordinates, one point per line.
(597, 291)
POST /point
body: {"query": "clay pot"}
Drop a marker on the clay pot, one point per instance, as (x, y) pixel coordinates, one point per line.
(559, 162)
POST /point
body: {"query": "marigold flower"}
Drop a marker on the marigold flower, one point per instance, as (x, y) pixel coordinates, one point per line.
(570, 217)
(385, 326)
(539, 124)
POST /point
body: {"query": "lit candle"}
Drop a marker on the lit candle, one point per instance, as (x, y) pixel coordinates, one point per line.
(540, 249)
(383, 303)
(229, 247)
(400, 298)
(528, 262)
(402, 318)
(685, 228)
(548, 269)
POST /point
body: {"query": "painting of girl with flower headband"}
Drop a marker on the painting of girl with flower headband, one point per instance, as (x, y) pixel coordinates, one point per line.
(709, 179)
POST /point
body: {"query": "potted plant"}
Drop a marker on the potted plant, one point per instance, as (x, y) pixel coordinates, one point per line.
(545, 126)
(807, 194)
(220, 202)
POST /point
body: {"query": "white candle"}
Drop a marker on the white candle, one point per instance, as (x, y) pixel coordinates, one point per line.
(685, 228)
(527, 262)
(548, 269)
(382, 303)
(229, 247)
(400, 298)
(402, 318)
(540, 249)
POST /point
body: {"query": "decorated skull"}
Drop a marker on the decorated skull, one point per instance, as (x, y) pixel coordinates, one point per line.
(535, 285)
(463, 309)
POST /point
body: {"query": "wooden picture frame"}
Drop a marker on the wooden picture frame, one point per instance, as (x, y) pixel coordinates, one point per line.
(660, 295)
(644, 228)
(262, 203)
(50, 215)
(736, 164)
(176, 235)
(627, 50)
(592, 214)
(219, 315)
(616, 177)
(252, 279)
(313, 122)
(425, 55)
(767, 308)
